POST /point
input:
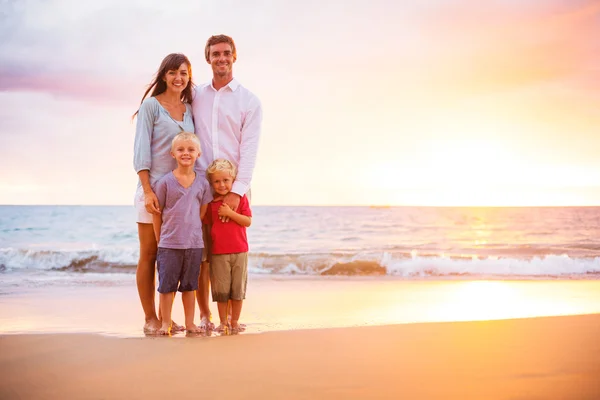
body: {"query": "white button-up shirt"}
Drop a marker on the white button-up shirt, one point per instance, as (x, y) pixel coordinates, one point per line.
(228, 123)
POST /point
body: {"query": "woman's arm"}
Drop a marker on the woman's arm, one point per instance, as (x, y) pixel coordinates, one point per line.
(142, 152)
(150, 199)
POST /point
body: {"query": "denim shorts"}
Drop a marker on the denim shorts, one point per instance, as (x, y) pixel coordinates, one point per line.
(178, 269)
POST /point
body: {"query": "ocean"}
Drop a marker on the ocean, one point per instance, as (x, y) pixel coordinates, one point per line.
(55, 245)
(69, 268)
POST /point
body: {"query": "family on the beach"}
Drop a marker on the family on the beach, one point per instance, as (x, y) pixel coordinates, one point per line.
(194, 152)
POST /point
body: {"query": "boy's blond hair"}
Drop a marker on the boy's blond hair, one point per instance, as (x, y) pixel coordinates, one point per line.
(186, 136)
(221, 164)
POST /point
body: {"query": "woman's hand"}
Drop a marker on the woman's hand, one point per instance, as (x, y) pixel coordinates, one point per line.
(151, 203)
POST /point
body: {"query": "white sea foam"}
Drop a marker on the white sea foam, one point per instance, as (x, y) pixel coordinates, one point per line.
(363, 263)
(402, 241)
(550, 265)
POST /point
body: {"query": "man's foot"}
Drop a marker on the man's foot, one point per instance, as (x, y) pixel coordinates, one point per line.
(206, 324)
(192, 328)
(152, 326)
(176, 327)
(165, 329)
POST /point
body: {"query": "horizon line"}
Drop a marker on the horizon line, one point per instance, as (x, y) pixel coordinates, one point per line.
(330, 205)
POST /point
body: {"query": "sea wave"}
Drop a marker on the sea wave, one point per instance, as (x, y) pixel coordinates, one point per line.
(402, 264)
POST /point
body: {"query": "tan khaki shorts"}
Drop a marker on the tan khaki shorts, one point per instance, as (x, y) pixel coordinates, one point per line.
(228, 276)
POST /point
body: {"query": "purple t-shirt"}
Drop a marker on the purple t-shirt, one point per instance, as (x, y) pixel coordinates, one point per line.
(181, 225)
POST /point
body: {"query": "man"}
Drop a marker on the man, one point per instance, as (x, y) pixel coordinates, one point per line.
(227, 119)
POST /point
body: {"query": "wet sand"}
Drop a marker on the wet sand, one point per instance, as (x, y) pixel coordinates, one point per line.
(534, 358)
(276, 304)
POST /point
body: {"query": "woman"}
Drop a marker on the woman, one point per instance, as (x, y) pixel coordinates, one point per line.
(160, 117)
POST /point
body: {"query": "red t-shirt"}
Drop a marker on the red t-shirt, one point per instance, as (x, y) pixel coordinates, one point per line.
(227, 237)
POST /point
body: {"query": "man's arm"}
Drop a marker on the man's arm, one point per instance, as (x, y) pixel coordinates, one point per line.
(226, 211)
(250, 135)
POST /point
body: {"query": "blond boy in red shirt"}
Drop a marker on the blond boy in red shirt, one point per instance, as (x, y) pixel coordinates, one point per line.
(229, 244)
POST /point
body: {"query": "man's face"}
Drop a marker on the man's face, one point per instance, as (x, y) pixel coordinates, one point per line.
(221, 59)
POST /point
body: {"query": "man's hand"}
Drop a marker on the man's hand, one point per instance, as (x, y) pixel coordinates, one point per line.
(232, 200)
(224, 211)
(151, 203)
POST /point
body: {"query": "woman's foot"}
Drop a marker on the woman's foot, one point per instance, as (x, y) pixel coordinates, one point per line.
(152, 326)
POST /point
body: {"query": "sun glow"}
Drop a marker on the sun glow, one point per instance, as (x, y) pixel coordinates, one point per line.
(487, 300)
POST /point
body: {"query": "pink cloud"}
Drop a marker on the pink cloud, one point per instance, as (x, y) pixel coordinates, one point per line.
(72, 85)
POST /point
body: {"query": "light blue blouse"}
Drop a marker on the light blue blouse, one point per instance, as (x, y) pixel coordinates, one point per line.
(154, 131)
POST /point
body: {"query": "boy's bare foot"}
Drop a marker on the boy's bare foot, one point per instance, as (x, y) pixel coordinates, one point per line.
(223, 328)
(165, 329)
(236, 327)
(152, 326)
(193, 328)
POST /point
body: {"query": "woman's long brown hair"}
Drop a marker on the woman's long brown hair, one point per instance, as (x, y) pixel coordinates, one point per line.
(171, 62)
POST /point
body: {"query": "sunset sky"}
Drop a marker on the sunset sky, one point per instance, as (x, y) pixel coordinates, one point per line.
(437, 102)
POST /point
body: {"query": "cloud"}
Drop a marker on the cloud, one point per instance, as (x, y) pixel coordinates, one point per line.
(102, 50)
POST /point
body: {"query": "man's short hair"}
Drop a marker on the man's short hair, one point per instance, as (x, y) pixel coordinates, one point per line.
(216, 39)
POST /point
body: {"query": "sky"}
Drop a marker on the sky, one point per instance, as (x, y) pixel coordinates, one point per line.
(429, 102)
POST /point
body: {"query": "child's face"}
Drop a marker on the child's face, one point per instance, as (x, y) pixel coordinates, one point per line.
(185, 152)
(221, 182)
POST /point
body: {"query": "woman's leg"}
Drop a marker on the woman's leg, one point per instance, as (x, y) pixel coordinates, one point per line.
(145, 276)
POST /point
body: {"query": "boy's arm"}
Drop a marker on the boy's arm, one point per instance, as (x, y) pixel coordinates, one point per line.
(157, 225)
(206, 228)
(243, 220)
(203, 209)
(160, 190)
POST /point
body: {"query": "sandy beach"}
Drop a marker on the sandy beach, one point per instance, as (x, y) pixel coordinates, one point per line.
(338, 338)
(536, 358)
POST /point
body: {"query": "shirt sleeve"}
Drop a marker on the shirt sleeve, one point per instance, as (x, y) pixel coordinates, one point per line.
(205, 196)
(251, 127)
(160, 190)
(142, 154)
(244, 207)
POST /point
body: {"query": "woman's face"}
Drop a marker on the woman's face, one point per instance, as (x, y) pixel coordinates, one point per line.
(177, 79)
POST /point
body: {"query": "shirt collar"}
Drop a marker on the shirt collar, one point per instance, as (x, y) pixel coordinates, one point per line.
(233, 85)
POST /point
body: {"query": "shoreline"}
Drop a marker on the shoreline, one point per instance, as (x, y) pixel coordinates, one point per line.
(298, 304)
(545, 357)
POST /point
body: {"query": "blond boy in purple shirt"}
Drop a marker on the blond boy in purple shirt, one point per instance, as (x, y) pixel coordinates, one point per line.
(183, 197)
